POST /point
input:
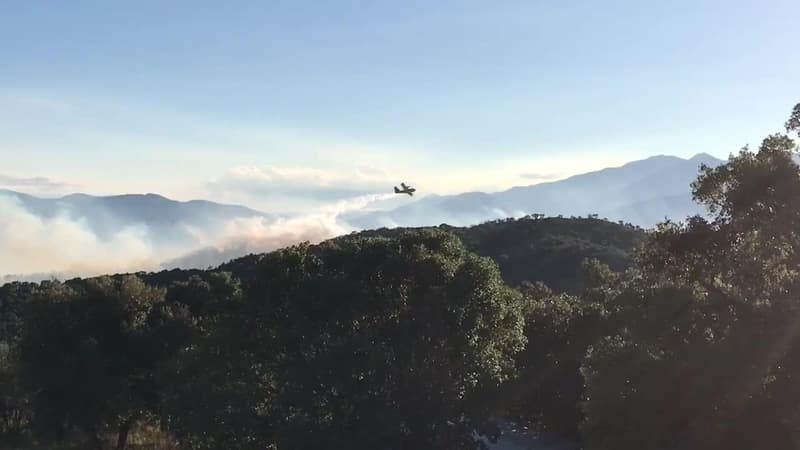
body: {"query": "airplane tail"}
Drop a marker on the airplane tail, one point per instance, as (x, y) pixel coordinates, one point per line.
(396, 191)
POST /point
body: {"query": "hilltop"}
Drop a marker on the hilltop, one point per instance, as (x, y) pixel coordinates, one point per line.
(550, 250)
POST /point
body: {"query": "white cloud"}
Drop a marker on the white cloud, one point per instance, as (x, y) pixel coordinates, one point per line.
(270, 160)
(539, 176)
(307, 179)
(296, 189)
(34, 185)
(154, 141)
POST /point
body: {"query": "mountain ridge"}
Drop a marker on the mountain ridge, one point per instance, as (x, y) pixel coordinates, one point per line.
(620, 193)
(166, 221)
(201, 233)
(148, 195)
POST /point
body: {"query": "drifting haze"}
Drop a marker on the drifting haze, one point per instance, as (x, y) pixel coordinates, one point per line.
(66, 244)
(258, 235)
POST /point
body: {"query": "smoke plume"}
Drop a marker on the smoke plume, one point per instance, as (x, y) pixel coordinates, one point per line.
(34, 248)
(257, 235)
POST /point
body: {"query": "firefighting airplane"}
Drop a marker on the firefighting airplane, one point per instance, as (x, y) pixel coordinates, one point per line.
(406, 190)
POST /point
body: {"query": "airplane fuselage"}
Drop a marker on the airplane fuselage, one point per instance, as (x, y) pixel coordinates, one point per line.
(406, 190)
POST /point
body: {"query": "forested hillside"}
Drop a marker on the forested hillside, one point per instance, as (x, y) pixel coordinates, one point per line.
(544, 249)
(531, 249)
(686, 338)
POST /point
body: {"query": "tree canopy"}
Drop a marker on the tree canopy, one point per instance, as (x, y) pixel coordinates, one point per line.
(371, 343)
(87, 355)
(706, 352)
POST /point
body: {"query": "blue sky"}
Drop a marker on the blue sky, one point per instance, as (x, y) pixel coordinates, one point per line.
(229, 100)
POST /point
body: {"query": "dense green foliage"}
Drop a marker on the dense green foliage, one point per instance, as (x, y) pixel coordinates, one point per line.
(553, 250)
(706, 353)
(602, 335)
(547, 250)
(531, 249)
(14, 410)
(559, 327)
(87, 354)
(370, 343)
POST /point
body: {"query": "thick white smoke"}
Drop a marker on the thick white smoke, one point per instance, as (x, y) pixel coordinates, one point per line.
(65, 246)
(257, 235)
(266, 235)
(29, 244)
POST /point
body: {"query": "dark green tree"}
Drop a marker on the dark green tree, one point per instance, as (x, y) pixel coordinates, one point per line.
(87, 355)
(14, 410)
(366, 343)
(707, 351)
(793, 124)
(559, 328)
(213, 392)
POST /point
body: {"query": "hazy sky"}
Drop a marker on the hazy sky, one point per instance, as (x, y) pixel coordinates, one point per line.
(263, 102)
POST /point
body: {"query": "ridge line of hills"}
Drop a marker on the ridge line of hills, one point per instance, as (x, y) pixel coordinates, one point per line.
(517, 200)
(549, 250)
(641, 193)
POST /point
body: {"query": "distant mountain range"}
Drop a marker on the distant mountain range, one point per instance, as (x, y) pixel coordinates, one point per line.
(199, 233)
(106, 215)
(640, 192)
(79, 234)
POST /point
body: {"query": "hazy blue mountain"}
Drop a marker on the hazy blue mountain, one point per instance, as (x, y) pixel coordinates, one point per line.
(106, 215)
(641, 192)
